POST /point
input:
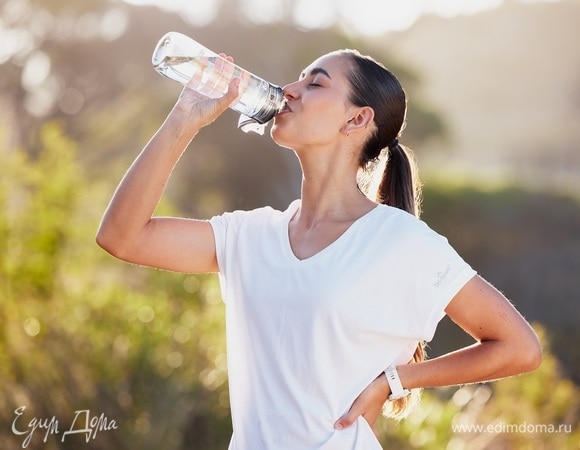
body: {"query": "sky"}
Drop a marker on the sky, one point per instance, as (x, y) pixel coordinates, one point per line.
(365, 17)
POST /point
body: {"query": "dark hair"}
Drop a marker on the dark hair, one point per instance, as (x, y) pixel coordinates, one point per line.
(375, 86)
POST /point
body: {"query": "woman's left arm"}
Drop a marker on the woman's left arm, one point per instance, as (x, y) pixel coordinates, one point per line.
(506, 346)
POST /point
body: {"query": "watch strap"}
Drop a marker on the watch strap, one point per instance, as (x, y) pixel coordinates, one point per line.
(397, 390)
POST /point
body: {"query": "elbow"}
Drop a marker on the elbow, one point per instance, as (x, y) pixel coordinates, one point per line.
(107, 241)
(119, 239)
(528, 357)
(103, 241)
(533, 355)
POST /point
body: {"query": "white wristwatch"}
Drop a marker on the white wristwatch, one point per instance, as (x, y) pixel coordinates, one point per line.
(397, 390)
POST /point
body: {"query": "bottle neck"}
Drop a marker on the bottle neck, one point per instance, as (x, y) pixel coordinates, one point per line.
(272, 106)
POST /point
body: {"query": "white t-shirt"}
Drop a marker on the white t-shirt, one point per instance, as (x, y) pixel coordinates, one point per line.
(305, 337)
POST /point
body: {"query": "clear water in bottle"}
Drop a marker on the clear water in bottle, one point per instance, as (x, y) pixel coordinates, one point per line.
(182, 59)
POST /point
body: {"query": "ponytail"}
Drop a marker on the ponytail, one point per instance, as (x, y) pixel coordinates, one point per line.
(400, 186)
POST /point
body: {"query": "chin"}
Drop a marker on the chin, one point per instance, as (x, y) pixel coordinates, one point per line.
(280, 136)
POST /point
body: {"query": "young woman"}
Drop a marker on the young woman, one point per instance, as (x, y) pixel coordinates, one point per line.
(328, 301)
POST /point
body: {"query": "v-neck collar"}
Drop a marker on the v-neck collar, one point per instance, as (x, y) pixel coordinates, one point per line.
(290, 213)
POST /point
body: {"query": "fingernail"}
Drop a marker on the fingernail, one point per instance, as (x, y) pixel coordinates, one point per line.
(338, 426)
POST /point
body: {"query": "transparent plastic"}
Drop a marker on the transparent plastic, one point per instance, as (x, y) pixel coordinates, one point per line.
(182, 59)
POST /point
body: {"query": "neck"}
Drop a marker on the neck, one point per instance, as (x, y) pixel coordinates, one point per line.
(330, 191)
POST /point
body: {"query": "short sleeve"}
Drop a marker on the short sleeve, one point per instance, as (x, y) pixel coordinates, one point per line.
(439, 274)
(237, 235)
(225, 229)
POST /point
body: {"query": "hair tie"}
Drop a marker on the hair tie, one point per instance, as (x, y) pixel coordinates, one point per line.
(394, 143)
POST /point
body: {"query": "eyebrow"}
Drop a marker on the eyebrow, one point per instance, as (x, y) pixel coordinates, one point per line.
(316, 71)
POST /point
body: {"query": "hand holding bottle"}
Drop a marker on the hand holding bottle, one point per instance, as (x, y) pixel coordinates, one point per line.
(184, 60)
(197, 110)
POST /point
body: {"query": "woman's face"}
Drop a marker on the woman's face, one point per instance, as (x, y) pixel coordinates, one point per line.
(318, 105)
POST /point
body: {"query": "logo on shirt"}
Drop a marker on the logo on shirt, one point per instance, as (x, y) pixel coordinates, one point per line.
(441, 275)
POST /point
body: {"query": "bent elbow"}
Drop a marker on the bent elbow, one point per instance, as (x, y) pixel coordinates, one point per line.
(534, 357)
(529, 356)
(107, 242)
(102, 241)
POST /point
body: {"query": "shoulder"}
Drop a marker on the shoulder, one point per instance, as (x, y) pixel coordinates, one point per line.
(395, 220)
(405, 230)
(237, 218)
(391, 213)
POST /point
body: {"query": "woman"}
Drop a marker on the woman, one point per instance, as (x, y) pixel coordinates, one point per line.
(328, 301)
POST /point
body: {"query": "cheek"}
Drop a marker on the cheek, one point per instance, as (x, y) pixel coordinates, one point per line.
(315, 122)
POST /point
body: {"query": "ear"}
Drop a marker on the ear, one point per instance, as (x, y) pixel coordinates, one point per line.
(362, 118)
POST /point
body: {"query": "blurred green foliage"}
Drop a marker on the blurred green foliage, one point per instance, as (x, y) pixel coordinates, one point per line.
(80, 331)
(145, 348)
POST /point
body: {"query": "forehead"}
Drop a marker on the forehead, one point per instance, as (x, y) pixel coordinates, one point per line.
(332, 64)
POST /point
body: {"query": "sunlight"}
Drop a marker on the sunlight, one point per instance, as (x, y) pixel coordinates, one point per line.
(312, 15)
(396, 15)
(262, 11)
(378, 16)
(199, 13)
(365, 17)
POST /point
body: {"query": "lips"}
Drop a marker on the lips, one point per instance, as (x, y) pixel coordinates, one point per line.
(285, 109)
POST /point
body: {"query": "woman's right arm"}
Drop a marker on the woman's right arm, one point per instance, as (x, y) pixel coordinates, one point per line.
(128, 229)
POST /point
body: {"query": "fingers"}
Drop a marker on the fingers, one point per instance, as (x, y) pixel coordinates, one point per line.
(219, 105)
(231, 94)
(368, 404)
(194, 107)
(351, 416)
(370, 412)
(227, 57)
(200, 108)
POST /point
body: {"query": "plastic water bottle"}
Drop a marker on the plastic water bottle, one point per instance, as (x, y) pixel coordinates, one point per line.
(182, 59)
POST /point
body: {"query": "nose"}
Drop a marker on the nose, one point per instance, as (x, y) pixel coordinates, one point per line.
(290, 91)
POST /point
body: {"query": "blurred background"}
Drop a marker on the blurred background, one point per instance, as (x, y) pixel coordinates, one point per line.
(494, 118)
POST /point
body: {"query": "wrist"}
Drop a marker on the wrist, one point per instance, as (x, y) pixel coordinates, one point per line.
(396, 388)
(382, 386)
(181, 126)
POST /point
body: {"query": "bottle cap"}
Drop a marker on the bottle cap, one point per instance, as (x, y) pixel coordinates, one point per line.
(247, 124)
